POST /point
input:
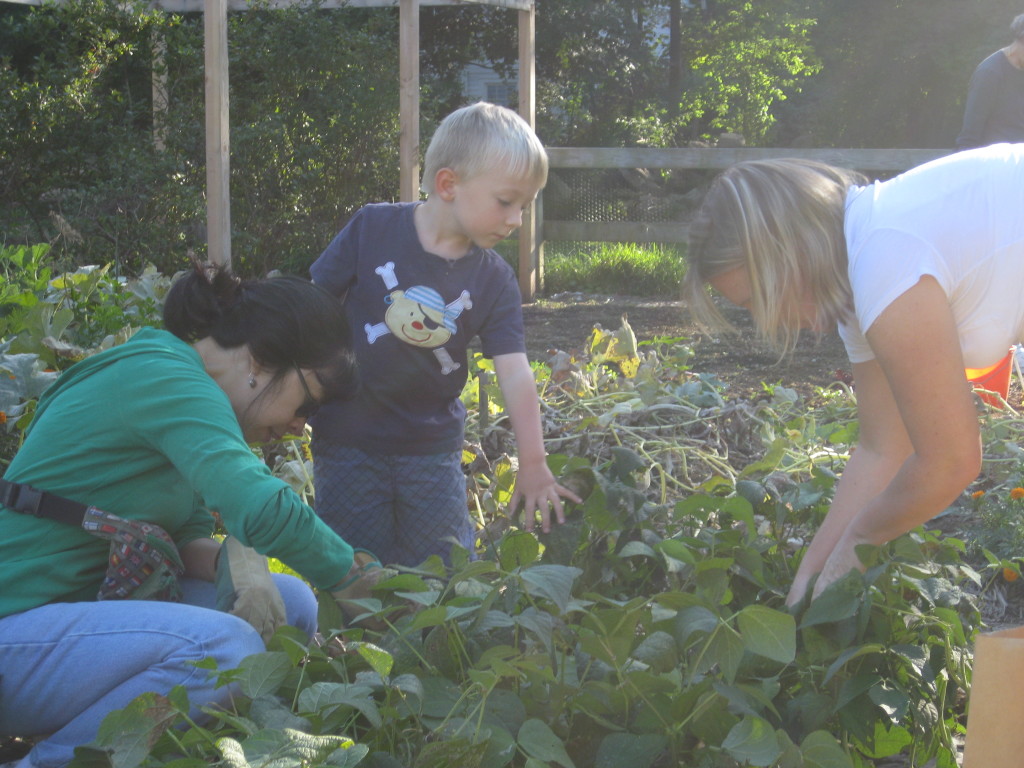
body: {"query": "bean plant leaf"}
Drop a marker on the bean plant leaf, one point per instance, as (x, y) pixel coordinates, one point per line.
(231, 753)
(289, 748)
(539, 742)
(126, 736)
(629, 749)
(348, 757)
(887, 741)
(449, 753)
(504, 708)
(541, 625)
(753, 741)
(271, 712)
(325, 697)
(848, 655)
(553, 582)
(768, 633)
(725, 649)
(517, 549)
(501, 748)
(379, 660)
(821, 750)
(658, 651)
(840, 600)
(262, 673)
(695, 618)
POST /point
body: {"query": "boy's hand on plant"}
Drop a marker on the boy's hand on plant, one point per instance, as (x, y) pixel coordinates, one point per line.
(246, 589)
(537, 491)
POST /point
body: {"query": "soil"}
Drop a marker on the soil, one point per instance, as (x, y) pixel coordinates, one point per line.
(564, 322)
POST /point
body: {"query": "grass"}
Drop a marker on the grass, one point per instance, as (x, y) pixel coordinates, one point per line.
(632, 269)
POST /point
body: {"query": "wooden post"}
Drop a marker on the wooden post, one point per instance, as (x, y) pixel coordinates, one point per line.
(218, 190)
(409, 100)
(530, 249)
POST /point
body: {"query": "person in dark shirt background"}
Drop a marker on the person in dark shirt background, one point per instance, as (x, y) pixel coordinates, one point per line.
(994, 112)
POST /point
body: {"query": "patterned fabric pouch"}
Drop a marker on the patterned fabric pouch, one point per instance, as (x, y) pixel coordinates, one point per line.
(143, 564)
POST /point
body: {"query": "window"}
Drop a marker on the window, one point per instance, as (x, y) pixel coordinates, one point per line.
(498, 93)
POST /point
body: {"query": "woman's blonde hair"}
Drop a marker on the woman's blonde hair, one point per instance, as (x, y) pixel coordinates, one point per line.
(782, 221)
(485, 138)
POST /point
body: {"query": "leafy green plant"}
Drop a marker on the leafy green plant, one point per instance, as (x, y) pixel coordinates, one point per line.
(60, 319)
(650, 628)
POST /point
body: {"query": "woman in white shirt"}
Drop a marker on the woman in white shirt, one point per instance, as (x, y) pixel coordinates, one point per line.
(924, 276)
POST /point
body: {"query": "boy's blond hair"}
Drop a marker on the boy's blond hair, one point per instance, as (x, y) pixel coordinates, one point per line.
(782, 221)
(485, 138)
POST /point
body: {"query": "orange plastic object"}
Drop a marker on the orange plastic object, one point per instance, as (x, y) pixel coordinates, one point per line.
(995, 378)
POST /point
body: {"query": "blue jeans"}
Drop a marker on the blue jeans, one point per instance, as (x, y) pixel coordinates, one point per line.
(65, 666)
(402, 508)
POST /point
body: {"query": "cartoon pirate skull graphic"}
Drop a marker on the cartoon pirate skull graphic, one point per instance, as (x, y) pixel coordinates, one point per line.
(419, 316)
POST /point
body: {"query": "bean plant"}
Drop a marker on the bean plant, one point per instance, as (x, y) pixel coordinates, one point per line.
(649, 630)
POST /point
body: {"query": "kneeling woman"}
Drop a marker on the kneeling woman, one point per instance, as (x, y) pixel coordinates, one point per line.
(149, 438)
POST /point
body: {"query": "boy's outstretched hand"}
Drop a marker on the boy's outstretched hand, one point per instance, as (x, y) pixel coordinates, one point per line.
(537, 491)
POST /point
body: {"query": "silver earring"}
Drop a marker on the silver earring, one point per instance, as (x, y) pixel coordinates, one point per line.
(252, 381)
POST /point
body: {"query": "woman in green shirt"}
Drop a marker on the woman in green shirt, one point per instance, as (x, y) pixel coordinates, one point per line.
(158, 431)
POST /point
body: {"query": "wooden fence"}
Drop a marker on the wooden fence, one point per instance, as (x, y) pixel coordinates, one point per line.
(531, 265)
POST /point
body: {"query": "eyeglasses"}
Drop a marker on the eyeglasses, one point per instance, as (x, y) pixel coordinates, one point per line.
(310, 405)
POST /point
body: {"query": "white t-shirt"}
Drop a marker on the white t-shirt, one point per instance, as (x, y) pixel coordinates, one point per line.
(959, 219)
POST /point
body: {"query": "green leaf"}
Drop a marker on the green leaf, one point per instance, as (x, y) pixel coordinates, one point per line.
(324, 698)
(289, 748)
(840, 600)
(539, 623)
(726, 650)
(848, 655)
(379, 660)
(821, 750)
(695, 618)
(753, 741)
(271, 712)
(126, 736)
(518, 549)
(539, 742)
(263, 673)
(449, 753)
(553, 582)
(768, 633)
(505, 709)
(231, 753)
(658, 651)
(887, 741)
(329, 615)
(629, 749)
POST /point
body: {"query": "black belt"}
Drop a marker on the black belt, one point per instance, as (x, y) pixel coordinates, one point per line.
(23, 498)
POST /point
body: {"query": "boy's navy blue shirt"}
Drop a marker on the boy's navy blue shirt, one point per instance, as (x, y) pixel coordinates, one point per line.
(413, 315)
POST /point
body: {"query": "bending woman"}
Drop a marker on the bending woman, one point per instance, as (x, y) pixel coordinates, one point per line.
(923, 275)
(155, 433)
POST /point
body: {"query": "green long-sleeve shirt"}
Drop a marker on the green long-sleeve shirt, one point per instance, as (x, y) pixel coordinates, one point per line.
(142, 431)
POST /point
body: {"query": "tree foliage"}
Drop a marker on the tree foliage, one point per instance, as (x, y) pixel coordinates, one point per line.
(314, 103)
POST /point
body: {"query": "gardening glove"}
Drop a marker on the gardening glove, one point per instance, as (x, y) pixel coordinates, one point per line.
(245, 588)
(365, 574)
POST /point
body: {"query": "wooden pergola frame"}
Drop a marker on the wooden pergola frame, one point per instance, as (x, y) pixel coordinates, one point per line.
(218, 149)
